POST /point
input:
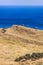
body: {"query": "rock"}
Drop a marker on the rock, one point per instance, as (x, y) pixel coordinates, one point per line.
(3, 30)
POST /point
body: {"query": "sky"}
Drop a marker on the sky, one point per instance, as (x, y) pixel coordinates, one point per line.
(21, 2)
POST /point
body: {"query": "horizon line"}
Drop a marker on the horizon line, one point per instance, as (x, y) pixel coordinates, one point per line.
(22, 5)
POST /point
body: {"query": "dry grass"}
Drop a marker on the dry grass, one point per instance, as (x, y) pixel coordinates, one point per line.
(18, 41)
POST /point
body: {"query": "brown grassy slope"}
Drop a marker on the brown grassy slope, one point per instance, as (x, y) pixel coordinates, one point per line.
(18, 41)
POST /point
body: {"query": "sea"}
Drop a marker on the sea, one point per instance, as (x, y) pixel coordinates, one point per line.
(28, 16)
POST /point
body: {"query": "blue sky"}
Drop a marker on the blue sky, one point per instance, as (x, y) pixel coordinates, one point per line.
(21, 2)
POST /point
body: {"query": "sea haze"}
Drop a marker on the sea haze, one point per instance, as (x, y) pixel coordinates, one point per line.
(29, 16)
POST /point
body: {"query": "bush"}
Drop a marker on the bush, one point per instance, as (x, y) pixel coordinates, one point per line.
(42, 55)
(34, 56)
(27, 56)
(39, 55)
(19, 59)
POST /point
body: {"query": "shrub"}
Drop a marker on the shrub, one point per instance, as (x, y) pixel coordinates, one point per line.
(39, 55)
(34, 56)
(19, 59)
(27, 56)
(42, 55)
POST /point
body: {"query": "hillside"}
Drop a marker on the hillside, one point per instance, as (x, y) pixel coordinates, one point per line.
(17, 41)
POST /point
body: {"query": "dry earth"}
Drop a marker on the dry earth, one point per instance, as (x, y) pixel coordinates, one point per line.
(18, 41)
